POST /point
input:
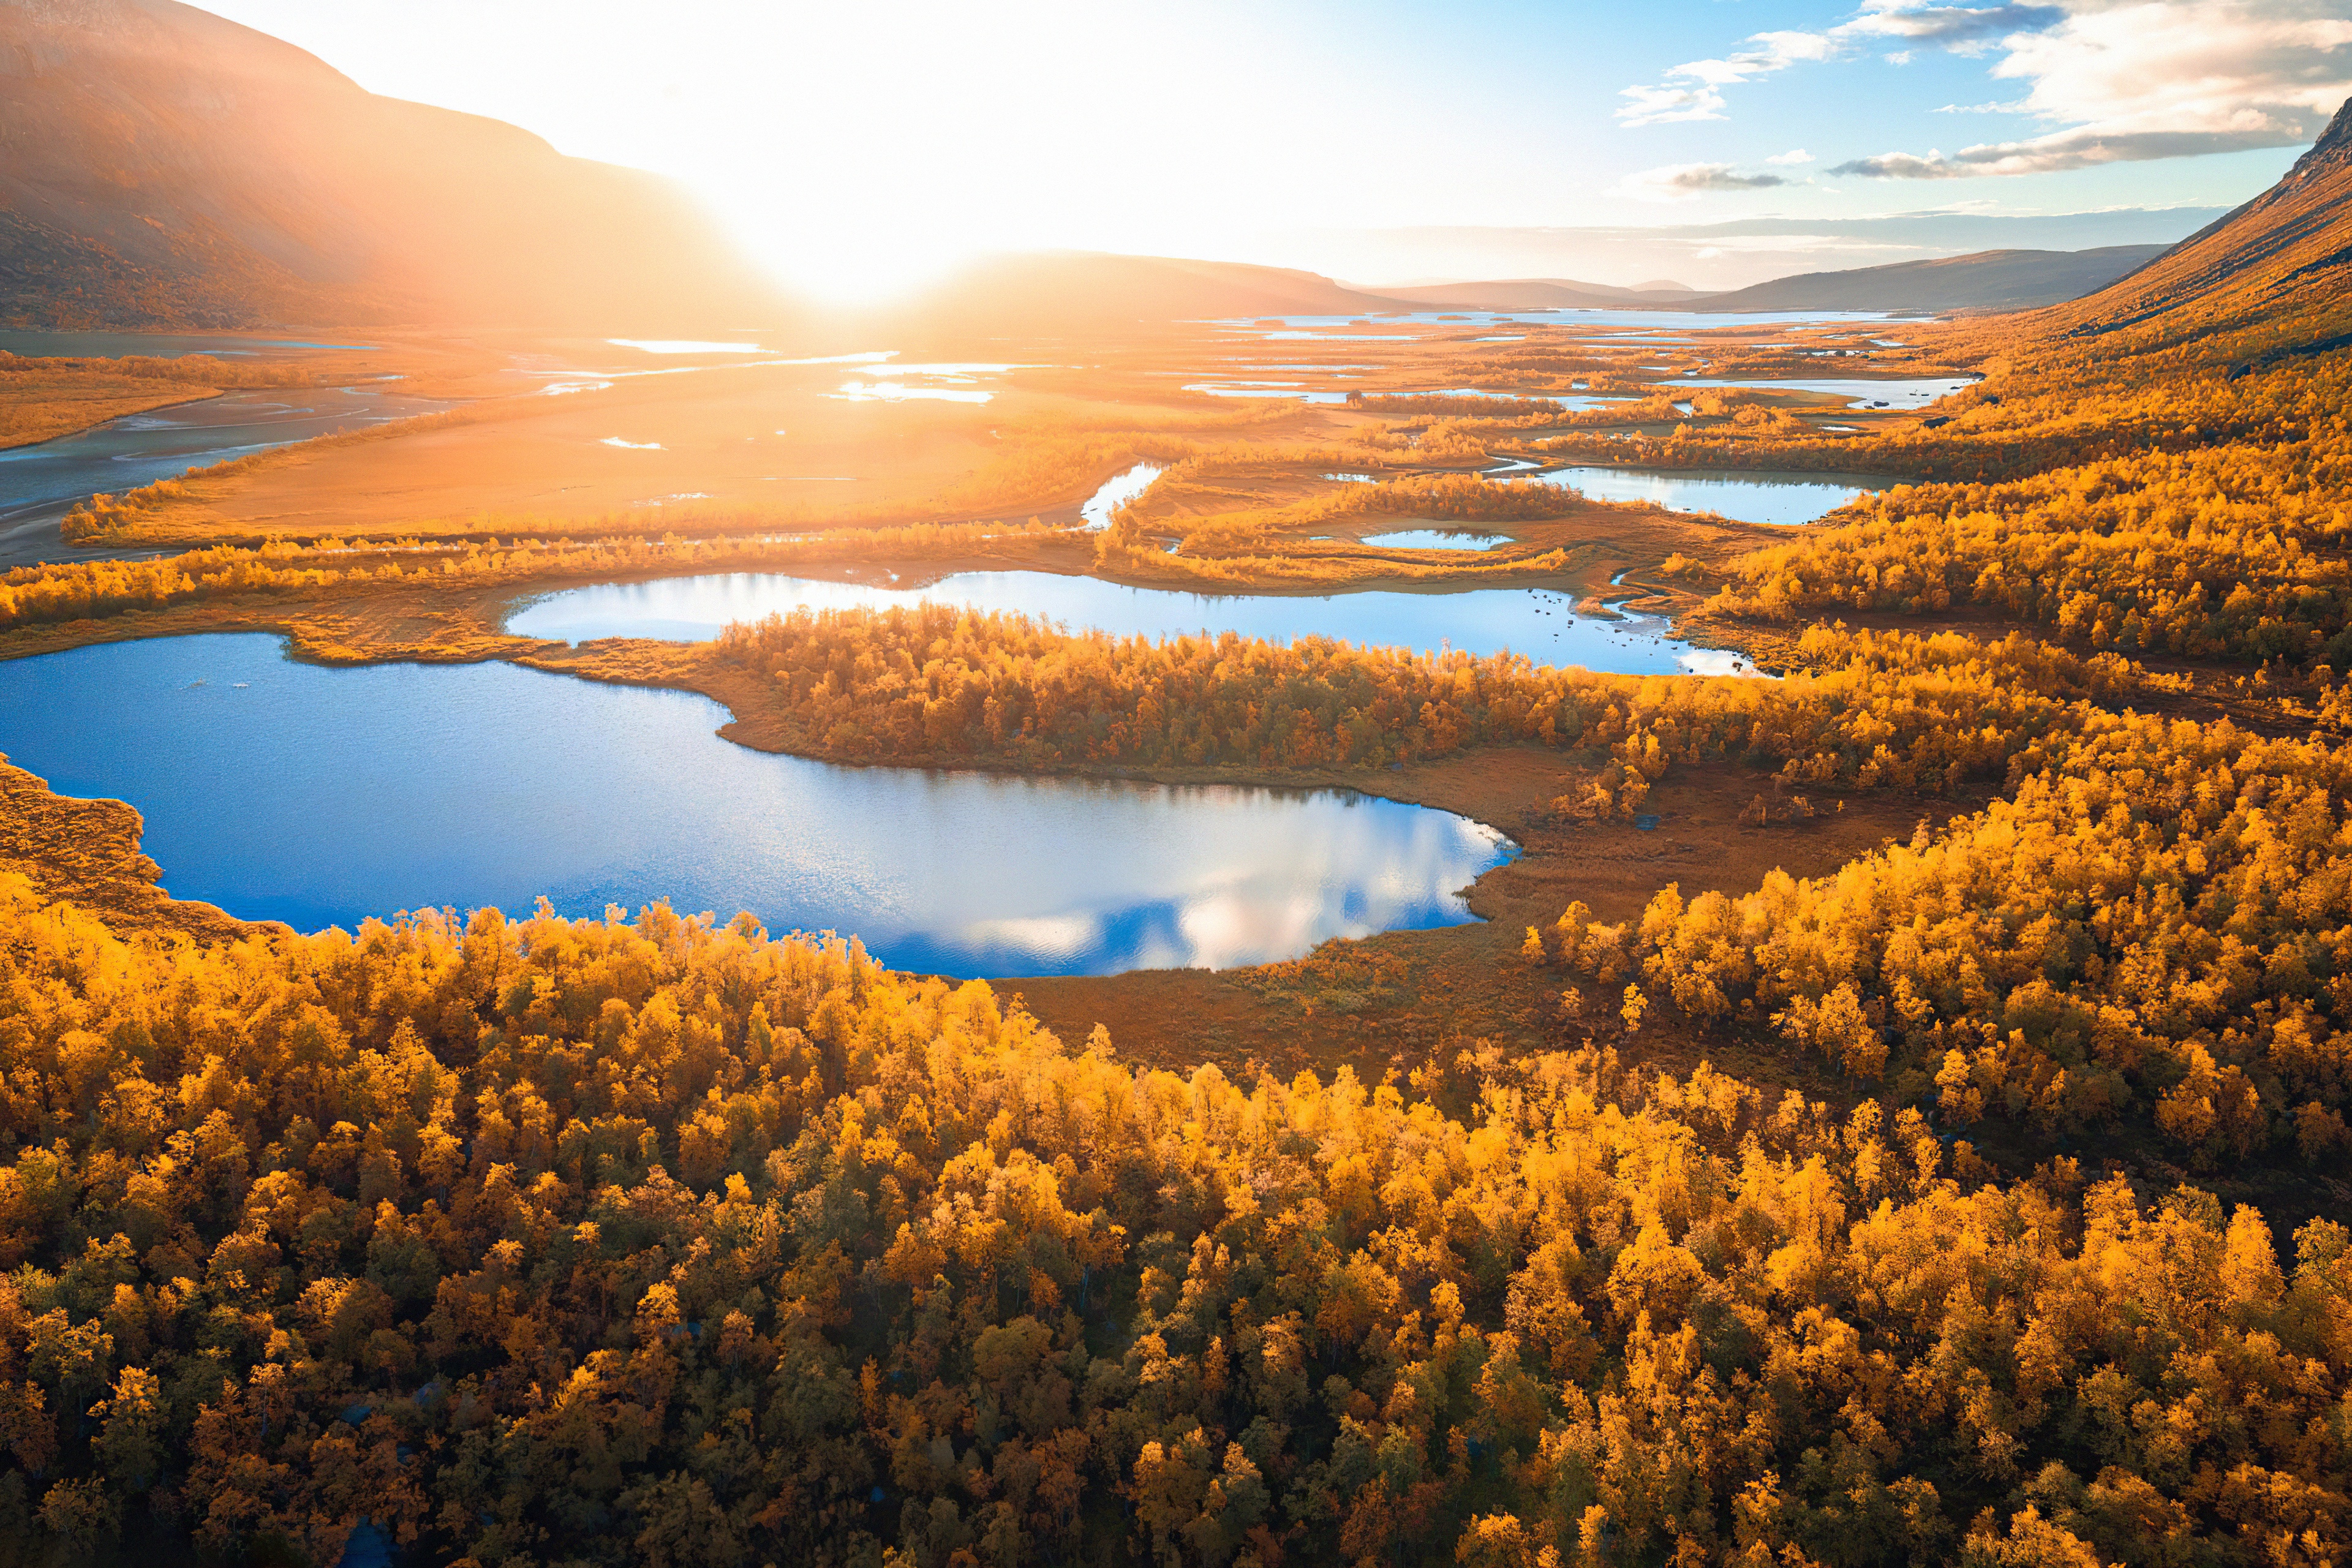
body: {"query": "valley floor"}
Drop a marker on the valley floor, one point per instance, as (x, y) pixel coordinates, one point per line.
(1891, 1082)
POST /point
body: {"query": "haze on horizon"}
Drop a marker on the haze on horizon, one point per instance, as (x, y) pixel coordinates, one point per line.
(860, 151)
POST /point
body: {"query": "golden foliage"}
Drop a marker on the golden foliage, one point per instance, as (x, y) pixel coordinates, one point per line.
(934, 682)
(744, 1249)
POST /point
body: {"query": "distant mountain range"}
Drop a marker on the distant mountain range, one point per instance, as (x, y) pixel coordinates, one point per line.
(1545, 294)
(1988, 280)
(161, 166)
(1051, 292)
(1079, 291)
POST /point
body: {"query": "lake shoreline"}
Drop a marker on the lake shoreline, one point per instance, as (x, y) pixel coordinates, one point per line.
(1465, 978)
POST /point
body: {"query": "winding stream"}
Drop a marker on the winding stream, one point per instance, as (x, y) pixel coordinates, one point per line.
(1538, 622)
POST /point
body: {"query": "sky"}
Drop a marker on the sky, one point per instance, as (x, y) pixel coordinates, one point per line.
(858, 150)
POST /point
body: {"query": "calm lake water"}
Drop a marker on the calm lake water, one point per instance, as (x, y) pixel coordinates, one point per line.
(1264, 389)
(1537, 622)
(1860, 392)
(159, 345)
(315, 796)
(1434, 539)
(1784, 499)
(1115, 492)
(38, 482)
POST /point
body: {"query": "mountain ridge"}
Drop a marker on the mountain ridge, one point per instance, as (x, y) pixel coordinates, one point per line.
(2273, 274)
(1046, 293)
(1982, 280)
(1543, 294)
(159, 164)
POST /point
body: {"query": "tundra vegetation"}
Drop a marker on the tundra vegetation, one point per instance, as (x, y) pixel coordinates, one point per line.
(661, 1239)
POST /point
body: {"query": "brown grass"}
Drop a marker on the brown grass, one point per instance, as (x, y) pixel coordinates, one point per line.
(86, 853)
(1397, 1000)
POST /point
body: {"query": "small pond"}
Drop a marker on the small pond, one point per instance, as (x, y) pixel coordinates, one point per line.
(1435, 539)
(1783, 499)
(32, 343)
(1115, 492)
(1264, 389)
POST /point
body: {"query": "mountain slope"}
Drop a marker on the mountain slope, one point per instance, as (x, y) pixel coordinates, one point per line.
(161, 165)
(1986, 281)
(2275, 276)
(1546, 294)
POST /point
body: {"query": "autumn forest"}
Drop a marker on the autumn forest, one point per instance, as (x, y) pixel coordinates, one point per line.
(1892, 1105)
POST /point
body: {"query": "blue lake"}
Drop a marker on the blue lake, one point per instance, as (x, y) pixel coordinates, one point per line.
(1538, 622)
(285, 791)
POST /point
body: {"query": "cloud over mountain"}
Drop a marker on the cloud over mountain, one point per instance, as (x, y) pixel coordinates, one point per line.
(2152, 78)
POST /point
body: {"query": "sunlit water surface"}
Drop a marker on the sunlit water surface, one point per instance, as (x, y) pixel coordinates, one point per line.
(1782, 499)
(1860, 392)
(158, 345)
(287, 792)
(1537, 622)
(1115, 492)
(165, 443)
(1434, 539)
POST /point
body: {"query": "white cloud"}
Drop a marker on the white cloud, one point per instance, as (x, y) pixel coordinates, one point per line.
(1666, 105)
(1963, 29)
(2141, 79)
(2112, 80)
(1793, 155)
(1768, 53)
(1686, 181)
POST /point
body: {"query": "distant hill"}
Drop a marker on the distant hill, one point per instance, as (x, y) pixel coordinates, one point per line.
(1546, 294)
(1986, 281)
(1086, 291)
(1053, 292)
(161, 166)
(2274, 275)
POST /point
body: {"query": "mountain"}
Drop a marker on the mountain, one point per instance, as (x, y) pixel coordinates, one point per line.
(160, 165)
(1053, 292)
(1546, 294)
(1060, 292)
(2275, 273)
(1986, 281)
